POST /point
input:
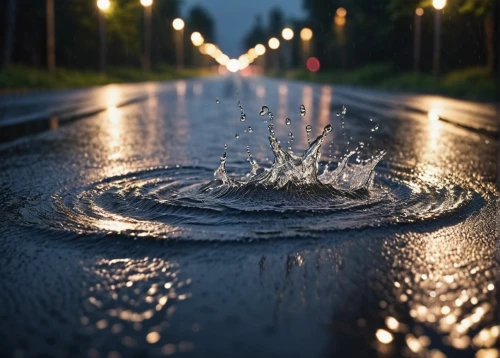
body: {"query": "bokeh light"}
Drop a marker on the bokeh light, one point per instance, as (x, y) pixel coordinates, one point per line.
(419, 11)
(103, 4)
(341, 12)
(273, 43)
(439, 4)
(146, 3)
(339, 21)
(197, 39)
(312, 64)
(287, 33)
(233, 65)
(178, 24)
(260, 49)
(306, 34)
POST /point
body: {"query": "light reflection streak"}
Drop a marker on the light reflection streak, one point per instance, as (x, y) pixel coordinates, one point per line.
(447, 290)
(282, 101)
(137, 295)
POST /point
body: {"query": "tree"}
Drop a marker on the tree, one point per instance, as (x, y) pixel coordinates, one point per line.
(485, 10)
(10, 25)
(256, 35)
(200, 20)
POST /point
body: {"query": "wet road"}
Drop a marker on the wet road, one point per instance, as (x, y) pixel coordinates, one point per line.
(427, 288)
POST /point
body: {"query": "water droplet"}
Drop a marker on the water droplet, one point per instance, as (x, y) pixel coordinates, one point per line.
(327, 129)
(225, 146)
(290, 134)
(288, 121)
(249, 129)
(361, 144)
(308, 128)
(264, 110)
(217, 100)
(243, 117)
(237, 136)
(338, 114)
(375, 128)
(344, 110)
(302, 110)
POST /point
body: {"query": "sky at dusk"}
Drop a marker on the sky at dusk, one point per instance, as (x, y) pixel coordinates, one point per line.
(235, 17)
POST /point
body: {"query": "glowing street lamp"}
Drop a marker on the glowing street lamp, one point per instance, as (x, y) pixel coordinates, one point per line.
(233, 65)
(306, 35)
(438, 5)
(287, 33)
(260, 49)
(147, 4)
(103, 6)
(273, 43)
(197, 39)
(178, 25)
(419, 12)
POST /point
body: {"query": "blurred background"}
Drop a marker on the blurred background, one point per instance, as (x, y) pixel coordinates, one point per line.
(432, 46)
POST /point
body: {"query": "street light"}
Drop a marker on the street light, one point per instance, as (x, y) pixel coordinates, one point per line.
(260, 49)
(287, 33)
(340, 20)
(103, 6)
(273, 43)
(197, 41)
(306, 35)
(438, 5)
(147, 33)
(178, 25)
(417, 30)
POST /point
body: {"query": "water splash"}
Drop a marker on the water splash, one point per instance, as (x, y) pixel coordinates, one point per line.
(289, 169)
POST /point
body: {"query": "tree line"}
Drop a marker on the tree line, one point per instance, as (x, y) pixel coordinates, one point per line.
(77, 32)
(378, 31)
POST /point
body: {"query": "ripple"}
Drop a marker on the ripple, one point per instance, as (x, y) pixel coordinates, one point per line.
(177, 203)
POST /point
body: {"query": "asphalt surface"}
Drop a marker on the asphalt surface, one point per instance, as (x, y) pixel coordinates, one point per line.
(428, 288)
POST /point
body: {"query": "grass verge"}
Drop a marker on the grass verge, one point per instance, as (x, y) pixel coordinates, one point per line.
(21, 77)
(470, 83)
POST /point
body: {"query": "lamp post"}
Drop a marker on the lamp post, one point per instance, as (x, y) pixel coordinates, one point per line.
(417, 35)
(260, 50)
(51, 36)
(287, 35)
(178, 25)
(197, 41)
(274, 44)
(340, 20)
(147, 33)
(306, 35)
(103, 6)
(438, 6)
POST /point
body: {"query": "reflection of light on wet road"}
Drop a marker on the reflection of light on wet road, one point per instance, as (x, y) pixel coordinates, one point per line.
(448, 290)
(198, 88)
(282, 101)
(324, 105)
(260, 91)
(135, 299)
(433, 115)
(112, 96)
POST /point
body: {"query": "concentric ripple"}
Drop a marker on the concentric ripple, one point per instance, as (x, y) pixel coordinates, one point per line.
(177, 203)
